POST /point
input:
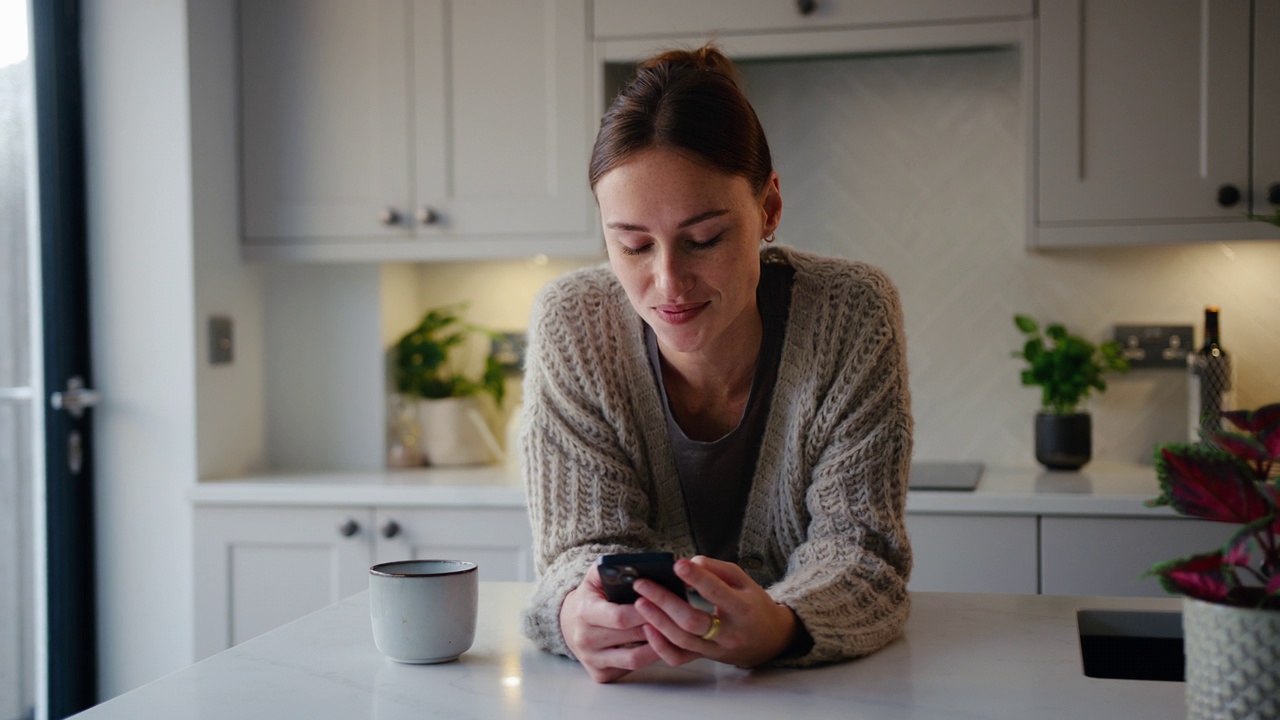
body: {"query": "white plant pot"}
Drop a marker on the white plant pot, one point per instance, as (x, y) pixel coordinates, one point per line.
(454, 432)
(1233, 661)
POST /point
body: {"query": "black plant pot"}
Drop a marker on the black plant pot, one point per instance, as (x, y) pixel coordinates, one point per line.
(1064, 442)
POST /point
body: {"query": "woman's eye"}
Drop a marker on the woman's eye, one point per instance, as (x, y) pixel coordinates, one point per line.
(628, 250)
(709, 242)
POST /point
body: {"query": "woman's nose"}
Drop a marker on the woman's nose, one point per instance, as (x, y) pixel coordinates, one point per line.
(670, 274)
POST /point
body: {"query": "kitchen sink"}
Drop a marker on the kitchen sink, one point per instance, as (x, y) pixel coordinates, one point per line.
(1132, 644)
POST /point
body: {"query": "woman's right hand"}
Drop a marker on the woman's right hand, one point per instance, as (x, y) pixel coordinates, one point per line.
(607, 638)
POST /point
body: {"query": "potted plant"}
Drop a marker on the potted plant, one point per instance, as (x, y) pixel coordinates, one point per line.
(1067, 368)
(429, 363)
(1231, 595)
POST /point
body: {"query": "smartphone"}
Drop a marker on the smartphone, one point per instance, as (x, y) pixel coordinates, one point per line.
(617, 572)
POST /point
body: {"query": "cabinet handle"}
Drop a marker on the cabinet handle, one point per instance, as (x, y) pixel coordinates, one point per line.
(390, 529)
(389, 216)
(1273, 194)
(1228, 195)
(348, 527)
(806, 7)
(427, 216)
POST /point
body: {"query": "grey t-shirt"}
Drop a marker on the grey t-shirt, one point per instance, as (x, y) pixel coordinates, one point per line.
(716, 476)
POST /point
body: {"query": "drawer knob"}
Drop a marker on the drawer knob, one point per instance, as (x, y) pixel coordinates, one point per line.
(427, 216)
(806, 7)
(390, 529)
(1228, 195)
(389, 216)
(1273, 194)
(348, 527)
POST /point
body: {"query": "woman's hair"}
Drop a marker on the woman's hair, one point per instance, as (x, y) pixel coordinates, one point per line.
(688, 101)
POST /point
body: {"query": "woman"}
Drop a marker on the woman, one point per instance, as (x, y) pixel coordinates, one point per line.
(744, 408)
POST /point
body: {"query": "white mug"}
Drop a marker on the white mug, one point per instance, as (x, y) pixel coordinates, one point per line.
(423, 611)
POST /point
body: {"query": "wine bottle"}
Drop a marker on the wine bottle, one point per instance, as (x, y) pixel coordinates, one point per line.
(1212, 379)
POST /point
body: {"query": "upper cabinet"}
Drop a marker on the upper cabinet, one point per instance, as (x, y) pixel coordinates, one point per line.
(627, 18)
(1145, 131)
(415, 129)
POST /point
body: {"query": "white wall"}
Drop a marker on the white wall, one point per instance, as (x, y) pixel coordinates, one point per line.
(138, 146)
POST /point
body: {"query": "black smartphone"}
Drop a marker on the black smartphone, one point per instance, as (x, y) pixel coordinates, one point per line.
(617, 572)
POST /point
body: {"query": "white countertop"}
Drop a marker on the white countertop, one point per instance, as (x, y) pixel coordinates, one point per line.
(1100, 489)
(962, 656)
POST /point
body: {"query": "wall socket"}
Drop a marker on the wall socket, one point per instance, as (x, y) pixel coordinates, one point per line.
(1155, 346)
(508, 350)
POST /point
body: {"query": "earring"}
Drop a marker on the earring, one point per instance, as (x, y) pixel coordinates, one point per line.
(770, 238)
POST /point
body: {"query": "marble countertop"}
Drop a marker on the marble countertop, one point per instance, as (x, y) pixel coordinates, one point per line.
(962, 656)
(1100, 489)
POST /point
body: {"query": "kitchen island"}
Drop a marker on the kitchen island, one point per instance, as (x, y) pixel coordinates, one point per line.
(962, 656)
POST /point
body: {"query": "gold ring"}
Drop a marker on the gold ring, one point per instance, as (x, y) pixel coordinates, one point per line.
(714, 630)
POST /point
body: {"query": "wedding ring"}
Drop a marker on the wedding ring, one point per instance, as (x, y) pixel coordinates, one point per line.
(714, 630)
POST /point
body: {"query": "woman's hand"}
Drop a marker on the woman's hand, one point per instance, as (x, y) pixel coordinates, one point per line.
(607, 638)
(753, 629)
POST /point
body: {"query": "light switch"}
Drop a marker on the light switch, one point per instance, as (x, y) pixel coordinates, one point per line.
(220, 344)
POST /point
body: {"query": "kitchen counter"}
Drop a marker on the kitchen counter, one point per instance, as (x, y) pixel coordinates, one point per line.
(962, 656)
(1101, 489)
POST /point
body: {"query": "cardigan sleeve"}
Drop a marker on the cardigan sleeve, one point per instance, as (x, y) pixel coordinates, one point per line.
(847, 580)
(585, 495)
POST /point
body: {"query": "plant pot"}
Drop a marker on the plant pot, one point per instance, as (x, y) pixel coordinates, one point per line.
(453, 432)
(1233, 661)
(1064, 442)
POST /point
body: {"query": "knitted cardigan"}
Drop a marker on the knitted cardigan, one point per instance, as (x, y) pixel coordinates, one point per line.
(824, 528)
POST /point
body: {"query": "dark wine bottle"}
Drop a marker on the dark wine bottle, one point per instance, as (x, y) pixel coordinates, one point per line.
(1212, 379)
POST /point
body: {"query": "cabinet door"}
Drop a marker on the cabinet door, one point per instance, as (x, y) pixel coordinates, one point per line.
(1266, 107)
(1143, 110)
(259, 568)
(497, 539)
(501, 117)
(973, 553)
(325, 117)
(1107, 556)
(628, 18)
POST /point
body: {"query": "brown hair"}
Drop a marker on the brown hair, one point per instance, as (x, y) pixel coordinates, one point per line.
(687, 100)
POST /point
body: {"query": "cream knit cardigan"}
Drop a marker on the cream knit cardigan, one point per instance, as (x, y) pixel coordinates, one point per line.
(824, 528)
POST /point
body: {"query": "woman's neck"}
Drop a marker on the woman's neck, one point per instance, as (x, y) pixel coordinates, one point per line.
(708, 390)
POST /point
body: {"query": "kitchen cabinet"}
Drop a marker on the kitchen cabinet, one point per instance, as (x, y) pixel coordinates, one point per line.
(973, 553)
(415, 129)
(260, 567)
(626, 18)
(1107, 556)
(1145, 132)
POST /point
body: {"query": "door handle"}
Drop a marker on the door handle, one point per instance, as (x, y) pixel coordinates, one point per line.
(76, 398)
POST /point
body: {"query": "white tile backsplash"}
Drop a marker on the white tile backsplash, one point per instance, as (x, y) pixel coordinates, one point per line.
(917, 163)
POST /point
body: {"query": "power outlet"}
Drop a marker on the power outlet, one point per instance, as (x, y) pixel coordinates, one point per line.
(508, 350)
(1155, 346)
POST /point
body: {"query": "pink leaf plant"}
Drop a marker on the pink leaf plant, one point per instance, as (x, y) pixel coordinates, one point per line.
(1227, 478)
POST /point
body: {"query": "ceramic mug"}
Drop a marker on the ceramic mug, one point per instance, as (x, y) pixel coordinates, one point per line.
(423, 611)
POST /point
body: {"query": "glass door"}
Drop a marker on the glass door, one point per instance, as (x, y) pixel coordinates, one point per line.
(48, 643)
(20, 447)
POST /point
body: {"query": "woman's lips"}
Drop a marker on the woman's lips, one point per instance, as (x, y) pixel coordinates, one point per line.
(680, 314)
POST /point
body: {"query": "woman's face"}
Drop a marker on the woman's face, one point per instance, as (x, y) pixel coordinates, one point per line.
(684, 240)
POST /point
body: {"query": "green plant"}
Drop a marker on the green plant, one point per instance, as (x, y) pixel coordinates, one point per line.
(425, 365)
(1226, 478)
(1273, 219)
(1065, 366)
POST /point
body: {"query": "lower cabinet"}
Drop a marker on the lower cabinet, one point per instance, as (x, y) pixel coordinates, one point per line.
(973, 553)
(257, 568)
(1107, 556)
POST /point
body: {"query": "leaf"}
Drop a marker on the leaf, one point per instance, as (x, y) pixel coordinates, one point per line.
(1254, 421)
(1026, 324)
(1239, 548)
(1210, 485)
(1056, 332)
(1198, 576)
(1241, 446)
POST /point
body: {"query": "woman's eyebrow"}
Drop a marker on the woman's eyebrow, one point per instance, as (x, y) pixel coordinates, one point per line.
(683, 224)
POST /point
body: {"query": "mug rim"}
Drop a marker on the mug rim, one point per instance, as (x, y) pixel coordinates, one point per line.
(385, 569)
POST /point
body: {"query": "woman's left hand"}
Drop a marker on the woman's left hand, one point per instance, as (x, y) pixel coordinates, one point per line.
(753, 629)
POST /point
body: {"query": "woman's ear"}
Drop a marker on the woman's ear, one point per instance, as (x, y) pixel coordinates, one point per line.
(771, 204)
